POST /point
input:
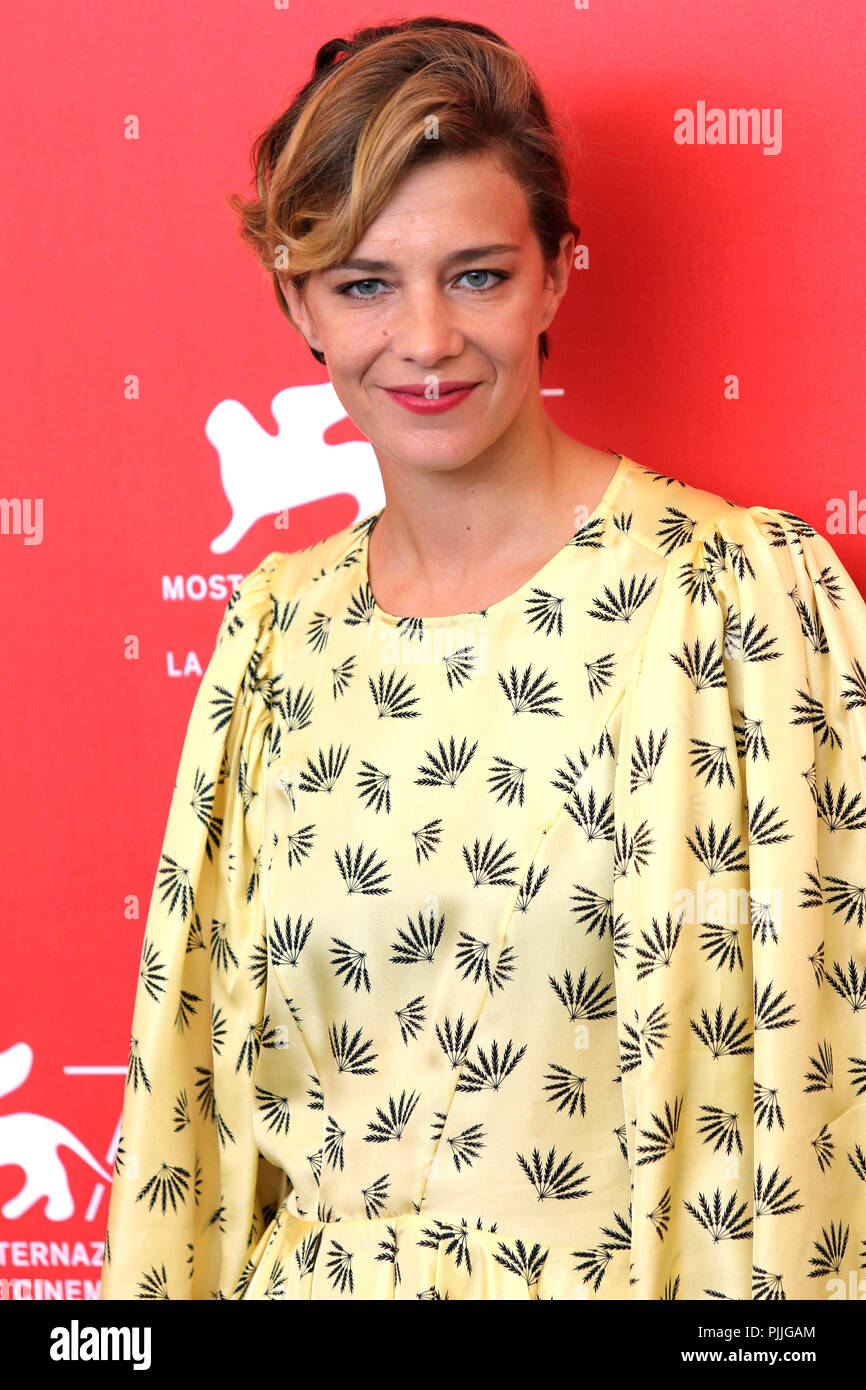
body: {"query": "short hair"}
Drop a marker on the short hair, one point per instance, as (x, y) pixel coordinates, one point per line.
(325, 168)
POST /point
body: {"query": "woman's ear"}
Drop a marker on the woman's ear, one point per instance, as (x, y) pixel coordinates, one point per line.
(556, 278)
(299, 312)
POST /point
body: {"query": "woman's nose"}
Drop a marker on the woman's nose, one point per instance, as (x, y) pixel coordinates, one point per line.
(425, 328)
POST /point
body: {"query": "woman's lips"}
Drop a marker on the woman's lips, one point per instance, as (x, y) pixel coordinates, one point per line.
(420, 404)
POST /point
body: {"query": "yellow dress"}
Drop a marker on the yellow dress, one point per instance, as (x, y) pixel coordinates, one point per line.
(520, 954)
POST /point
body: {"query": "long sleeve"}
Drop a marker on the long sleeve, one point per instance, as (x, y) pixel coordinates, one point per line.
(739, 907)
(191, 1193)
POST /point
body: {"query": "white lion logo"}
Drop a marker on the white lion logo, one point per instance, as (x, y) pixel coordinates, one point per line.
(263, 474)
(31, 1142)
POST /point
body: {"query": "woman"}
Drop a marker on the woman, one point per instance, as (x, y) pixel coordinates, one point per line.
(507, 936)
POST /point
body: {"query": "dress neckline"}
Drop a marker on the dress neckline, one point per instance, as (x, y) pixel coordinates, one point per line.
(502, 605)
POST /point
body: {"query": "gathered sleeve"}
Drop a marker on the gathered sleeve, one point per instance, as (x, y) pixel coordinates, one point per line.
(191, 1193)
(740, 908)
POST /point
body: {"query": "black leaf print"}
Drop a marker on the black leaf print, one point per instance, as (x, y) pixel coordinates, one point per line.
(645, 761)
(722, 945)
(858, 1162)
(772, 1197)
(858, 1073)
(391, 1125)
(662, 1139)
(596, 819)
(411, 1018)
(295, 711)
(811, 711)
(728, 1223)
(186, 1010)
(318, 630)
(154, 1284)
(830, 1249)
(566, 1088)
(599, 673)
(507, 781)
(767, 1109)
(720, 1129)
(152, 971)
(299, 844)
(342, 676)
(560, 1182)
(849, 898)
(472, 957)
(221, 952)
(658, 946)
(544, 612)
(286, 942)
(459, 666)
(454, 1043)
(322, 775)
(277, 1280)
(392, 697)
(362, 875)
(168, 1184)
(489, 1071)
(427, 839)
(623, 605)
(821, 1079)
(764, 826)
(375, 1196)
(202, 804)
(592, 910)
(528, 696)
(660, 1215)
(332, 1146)
(374, 787)
(350, 964)
(674, 529)
(528, 1264)
(529, 887)
(854, 695)
(135, 1072)
(444, 770)
(838, 810)
(181, 1113)
(274, 1110)
(421, 940)
(767, 1286)
(725, 1037)
(175, 885)
(467, 1146)
(490, 866)
(338, 1262)
(755, 646)
(351, 1055)
(710, 761)
(697, 582)
(771, 1012)
(582, 1000)
(851, 986)
(705, 670)
(715, 857)
(750, 740)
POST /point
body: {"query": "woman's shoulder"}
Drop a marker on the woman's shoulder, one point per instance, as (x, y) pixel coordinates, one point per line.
(664, 513)
(284, 575)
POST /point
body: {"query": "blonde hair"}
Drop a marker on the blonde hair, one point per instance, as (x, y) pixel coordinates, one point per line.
(325, 168)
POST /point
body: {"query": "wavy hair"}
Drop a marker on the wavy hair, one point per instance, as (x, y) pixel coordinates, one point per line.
(326, 167)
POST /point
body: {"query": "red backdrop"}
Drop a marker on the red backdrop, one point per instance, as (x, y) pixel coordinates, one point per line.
(713, 331)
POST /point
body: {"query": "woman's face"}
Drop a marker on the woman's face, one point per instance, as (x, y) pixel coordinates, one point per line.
(437, 308)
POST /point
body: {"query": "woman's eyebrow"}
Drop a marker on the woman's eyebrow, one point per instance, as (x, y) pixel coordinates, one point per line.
(468, 253)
